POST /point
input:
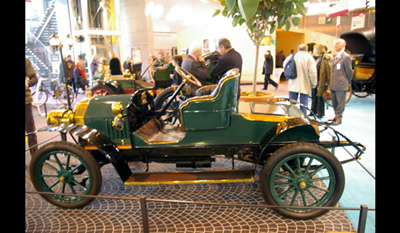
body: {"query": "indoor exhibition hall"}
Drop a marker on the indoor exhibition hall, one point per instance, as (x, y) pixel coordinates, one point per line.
(200, 116)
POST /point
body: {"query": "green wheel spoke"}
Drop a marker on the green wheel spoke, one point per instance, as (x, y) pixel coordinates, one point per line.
(54, 184)
(298, 163)
(81, 176)
(312, 194)
(72, 188)
(76, 167)
(286, 192)
(49, 175)
(294, 197)
(283, 176)
(316, 171)
(303, 195)
(321, 178)
(283, 185)
(319, 188)
(79, 184)
(308, 165)
(289, 168)
(63, 188)
(67, 164)
(58, 161)
(51, 166)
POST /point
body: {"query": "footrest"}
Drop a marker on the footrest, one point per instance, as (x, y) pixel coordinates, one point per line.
(191, 177)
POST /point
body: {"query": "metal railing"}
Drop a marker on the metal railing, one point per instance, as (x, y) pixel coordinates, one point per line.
(363, 209)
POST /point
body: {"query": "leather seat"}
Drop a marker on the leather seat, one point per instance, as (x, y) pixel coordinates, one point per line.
(212, 111)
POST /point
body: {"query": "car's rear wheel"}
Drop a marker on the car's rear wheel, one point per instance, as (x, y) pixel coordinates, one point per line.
(302, 174)
(64, 167)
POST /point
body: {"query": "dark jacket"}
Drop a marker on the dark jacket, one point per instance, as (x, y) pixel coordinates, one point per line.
(280, 57)
(268, 64)
(115, 66)
(231, 59)
(198, 69)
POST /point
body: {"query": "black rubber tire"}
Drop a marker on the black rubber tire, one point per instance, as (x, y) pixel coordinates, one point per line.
(89, 162)
(165, 94)
(302, 148)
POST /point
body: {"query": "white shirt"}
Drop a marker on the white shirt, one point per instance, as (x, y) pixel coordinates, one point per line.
(306, 73)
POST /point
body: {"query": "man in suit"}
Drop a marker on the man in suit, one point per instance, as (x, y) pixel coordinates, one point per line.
(194, 63)
(341, 75)
(230, 59)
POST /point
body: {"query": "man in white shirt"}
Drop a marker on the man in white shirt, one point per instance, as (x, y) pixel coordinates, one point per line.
(306, 76)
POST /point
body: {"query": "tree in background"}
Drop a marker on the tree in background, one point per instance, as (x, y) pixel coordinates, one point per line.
(261, 17)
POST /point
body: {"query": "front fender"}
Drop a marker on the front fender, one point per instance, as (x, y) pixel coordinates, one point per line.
(104, 144)
(109, 82)
(115, 85)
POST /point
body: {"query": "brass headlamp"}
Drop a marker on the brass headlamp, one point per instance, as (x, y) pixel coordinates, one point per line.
(118, 121)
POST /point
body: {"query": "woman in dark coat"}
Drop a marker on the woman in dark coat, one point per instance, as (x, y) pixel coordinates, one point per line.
(323, 63)
(115, 64)
(268, 68)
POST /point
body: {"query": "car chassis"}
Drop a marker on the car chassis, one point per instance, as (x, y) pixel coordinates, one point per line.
(298, 169)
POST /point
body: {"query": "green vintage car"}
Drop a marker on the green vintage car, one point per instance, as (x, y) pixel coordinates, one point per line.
(297, 168)
(128, 83)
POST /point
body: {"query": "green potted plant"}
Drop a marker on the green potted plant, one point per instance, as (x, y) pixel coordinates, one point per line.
(261, 18)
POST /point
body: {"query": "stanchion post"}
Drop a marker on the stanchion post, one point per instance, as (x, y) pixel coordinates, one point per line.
(143, 208)
(362, 221)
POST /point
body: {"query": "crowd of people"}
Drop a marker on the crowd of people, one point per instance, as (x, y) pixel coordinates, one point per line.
(324, 77)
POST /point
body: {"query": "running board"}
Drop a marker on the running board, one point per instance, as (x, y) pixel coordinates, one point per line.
(191, 177)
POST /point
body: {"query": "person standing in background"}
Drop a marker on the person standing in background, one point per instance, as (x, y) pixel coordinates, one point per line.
(306, 76)
(268, 70)
(279, 58)
(82, 62)
(324, 63)
(115, 64)
(341, 76)
(176, 78)
(30, 80)
(94, 64)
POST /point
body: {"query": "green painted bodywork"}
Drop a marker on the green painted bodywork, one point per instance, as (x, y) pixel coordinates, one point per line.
(241, 131)
(211, 120)
(163, 74)
(99, 116)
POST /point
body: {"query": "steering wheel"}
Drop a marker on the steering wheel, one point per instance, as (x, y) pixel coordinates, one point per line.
(188, 76)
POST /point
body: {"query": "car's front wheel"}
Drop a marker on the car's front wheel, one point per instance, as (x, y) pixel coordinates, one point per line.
(302, 174)
(64, 167)
(102, 90)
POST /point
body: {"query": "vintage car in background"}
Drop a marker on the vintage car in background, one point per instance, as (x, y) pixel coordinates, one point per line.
(298, 170)
(129, 83)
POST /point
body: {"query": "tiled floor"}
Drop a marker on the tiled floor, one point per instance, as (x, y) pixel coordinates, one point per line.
(113, 215)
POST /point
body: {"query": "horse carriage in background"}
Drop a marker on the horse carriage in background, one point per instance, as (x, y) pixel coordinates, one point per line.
(361, 44)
